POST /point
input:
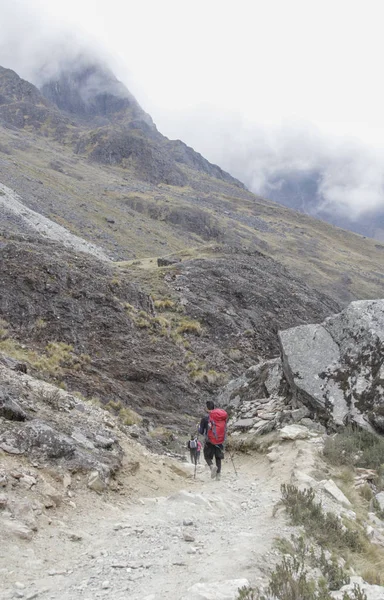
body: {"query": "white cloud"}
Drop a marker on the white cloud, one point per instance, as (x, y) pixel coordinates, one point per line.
(259, 87)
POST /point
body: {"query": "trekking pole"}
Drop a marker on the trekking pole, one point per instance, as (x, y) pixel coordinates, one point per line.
(197, 440)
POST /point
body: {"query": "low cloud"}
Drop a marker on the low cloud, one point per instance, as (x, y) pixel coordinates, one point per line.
(344, 176)
(324, 174)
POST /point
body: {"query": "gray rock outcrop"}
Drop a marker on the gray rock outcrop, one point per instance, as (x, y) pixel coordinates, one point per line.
(337, 368)
(256, 400)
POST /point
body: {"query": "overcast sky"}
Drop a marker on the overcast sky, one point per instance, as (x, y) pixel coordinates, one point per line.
(299, 80)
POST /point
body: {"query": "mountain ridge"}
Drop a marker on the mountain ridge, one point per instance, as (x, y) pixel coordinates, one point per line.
(238, 267)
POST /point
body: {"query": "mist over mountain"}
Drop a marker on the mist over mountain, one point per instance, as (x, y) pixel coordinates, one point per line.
(294, 163)
(332, 178)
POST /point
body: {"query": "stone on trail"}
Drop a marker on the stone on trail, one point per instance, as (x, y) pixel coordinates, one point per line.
(216, 590)
(294, 432)
(95, 482)
(302, 480)
(336, 493)
(17, 529)
(51, 496)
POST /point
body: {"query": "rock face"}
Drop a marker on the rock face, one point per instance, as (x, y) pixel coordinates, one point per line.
(337, 368)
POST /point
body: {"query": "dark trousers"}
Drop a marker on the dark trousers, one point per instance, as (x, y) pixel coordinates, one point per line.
(193, 454)
(213, 450)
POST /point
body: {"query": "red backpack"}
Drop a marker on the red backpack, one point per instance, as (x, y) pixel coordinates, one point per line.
(217, 425)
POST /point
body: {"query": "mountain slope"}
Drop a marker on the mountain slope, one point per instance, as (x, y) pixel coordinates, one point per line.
(159, 340)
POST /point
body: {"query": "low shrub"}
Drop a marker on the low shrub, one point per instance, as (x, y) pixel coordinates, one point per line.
(325, 527)
(355, 447)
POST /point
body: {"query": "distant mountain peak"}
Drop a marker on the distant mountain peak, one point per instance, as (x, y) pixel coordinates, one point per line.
(87, 89)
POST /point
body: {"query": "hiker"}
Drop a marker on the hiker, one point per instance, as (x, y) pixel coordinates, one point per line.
(198, 451)
(213, 426)
(192, 446)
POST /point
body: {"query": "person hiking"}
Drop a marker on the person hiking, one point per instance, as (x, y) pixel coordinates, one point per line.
(192, 446)
(213, 426)
(198, 451)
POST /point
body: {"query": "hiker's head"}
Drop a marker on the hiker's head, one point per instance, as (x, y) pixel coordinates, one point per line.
(210, 405)
(192, 436)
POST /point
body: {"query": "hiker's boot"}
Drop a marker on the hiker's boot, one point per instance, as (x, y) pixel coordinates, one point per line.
(213, 471)
(218, 476)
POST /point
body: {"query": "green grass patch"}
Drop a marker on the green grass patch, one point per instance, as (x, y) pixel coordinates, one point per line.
(356, 448)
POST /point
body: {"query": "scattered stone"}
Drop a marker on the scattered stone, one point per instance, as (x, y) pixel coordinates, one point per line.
(3, 501)
(19, 585)
(10, 410)
(103, 442)
(314, 426)
(67, 480)
(336, 493)
(96, 482)
(188, 538)
(74, 537)
(51, 497)
(17, 529)
(119, 526)
(187, 523)
(105, 585)
(273, 456)
(244, 424)
(302, 480)
(294, 432)
(166, 262)
(299, 413)
(27, 481)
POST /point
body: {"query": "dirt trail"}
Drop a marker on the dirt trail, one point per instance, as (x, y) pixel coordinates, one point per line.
(138, 548)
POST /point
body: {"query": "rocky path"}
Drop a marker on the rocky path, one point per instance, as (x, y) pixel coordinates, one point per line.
(157, 548)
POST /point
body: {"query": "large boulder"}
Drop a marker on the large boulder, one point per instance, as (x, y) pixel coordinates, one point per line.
(337, 368)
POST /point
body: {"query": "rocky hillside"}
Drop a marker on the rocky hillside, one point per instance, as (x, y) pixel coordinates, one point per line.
(83, 166)
(84, 154)
(158, 341)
